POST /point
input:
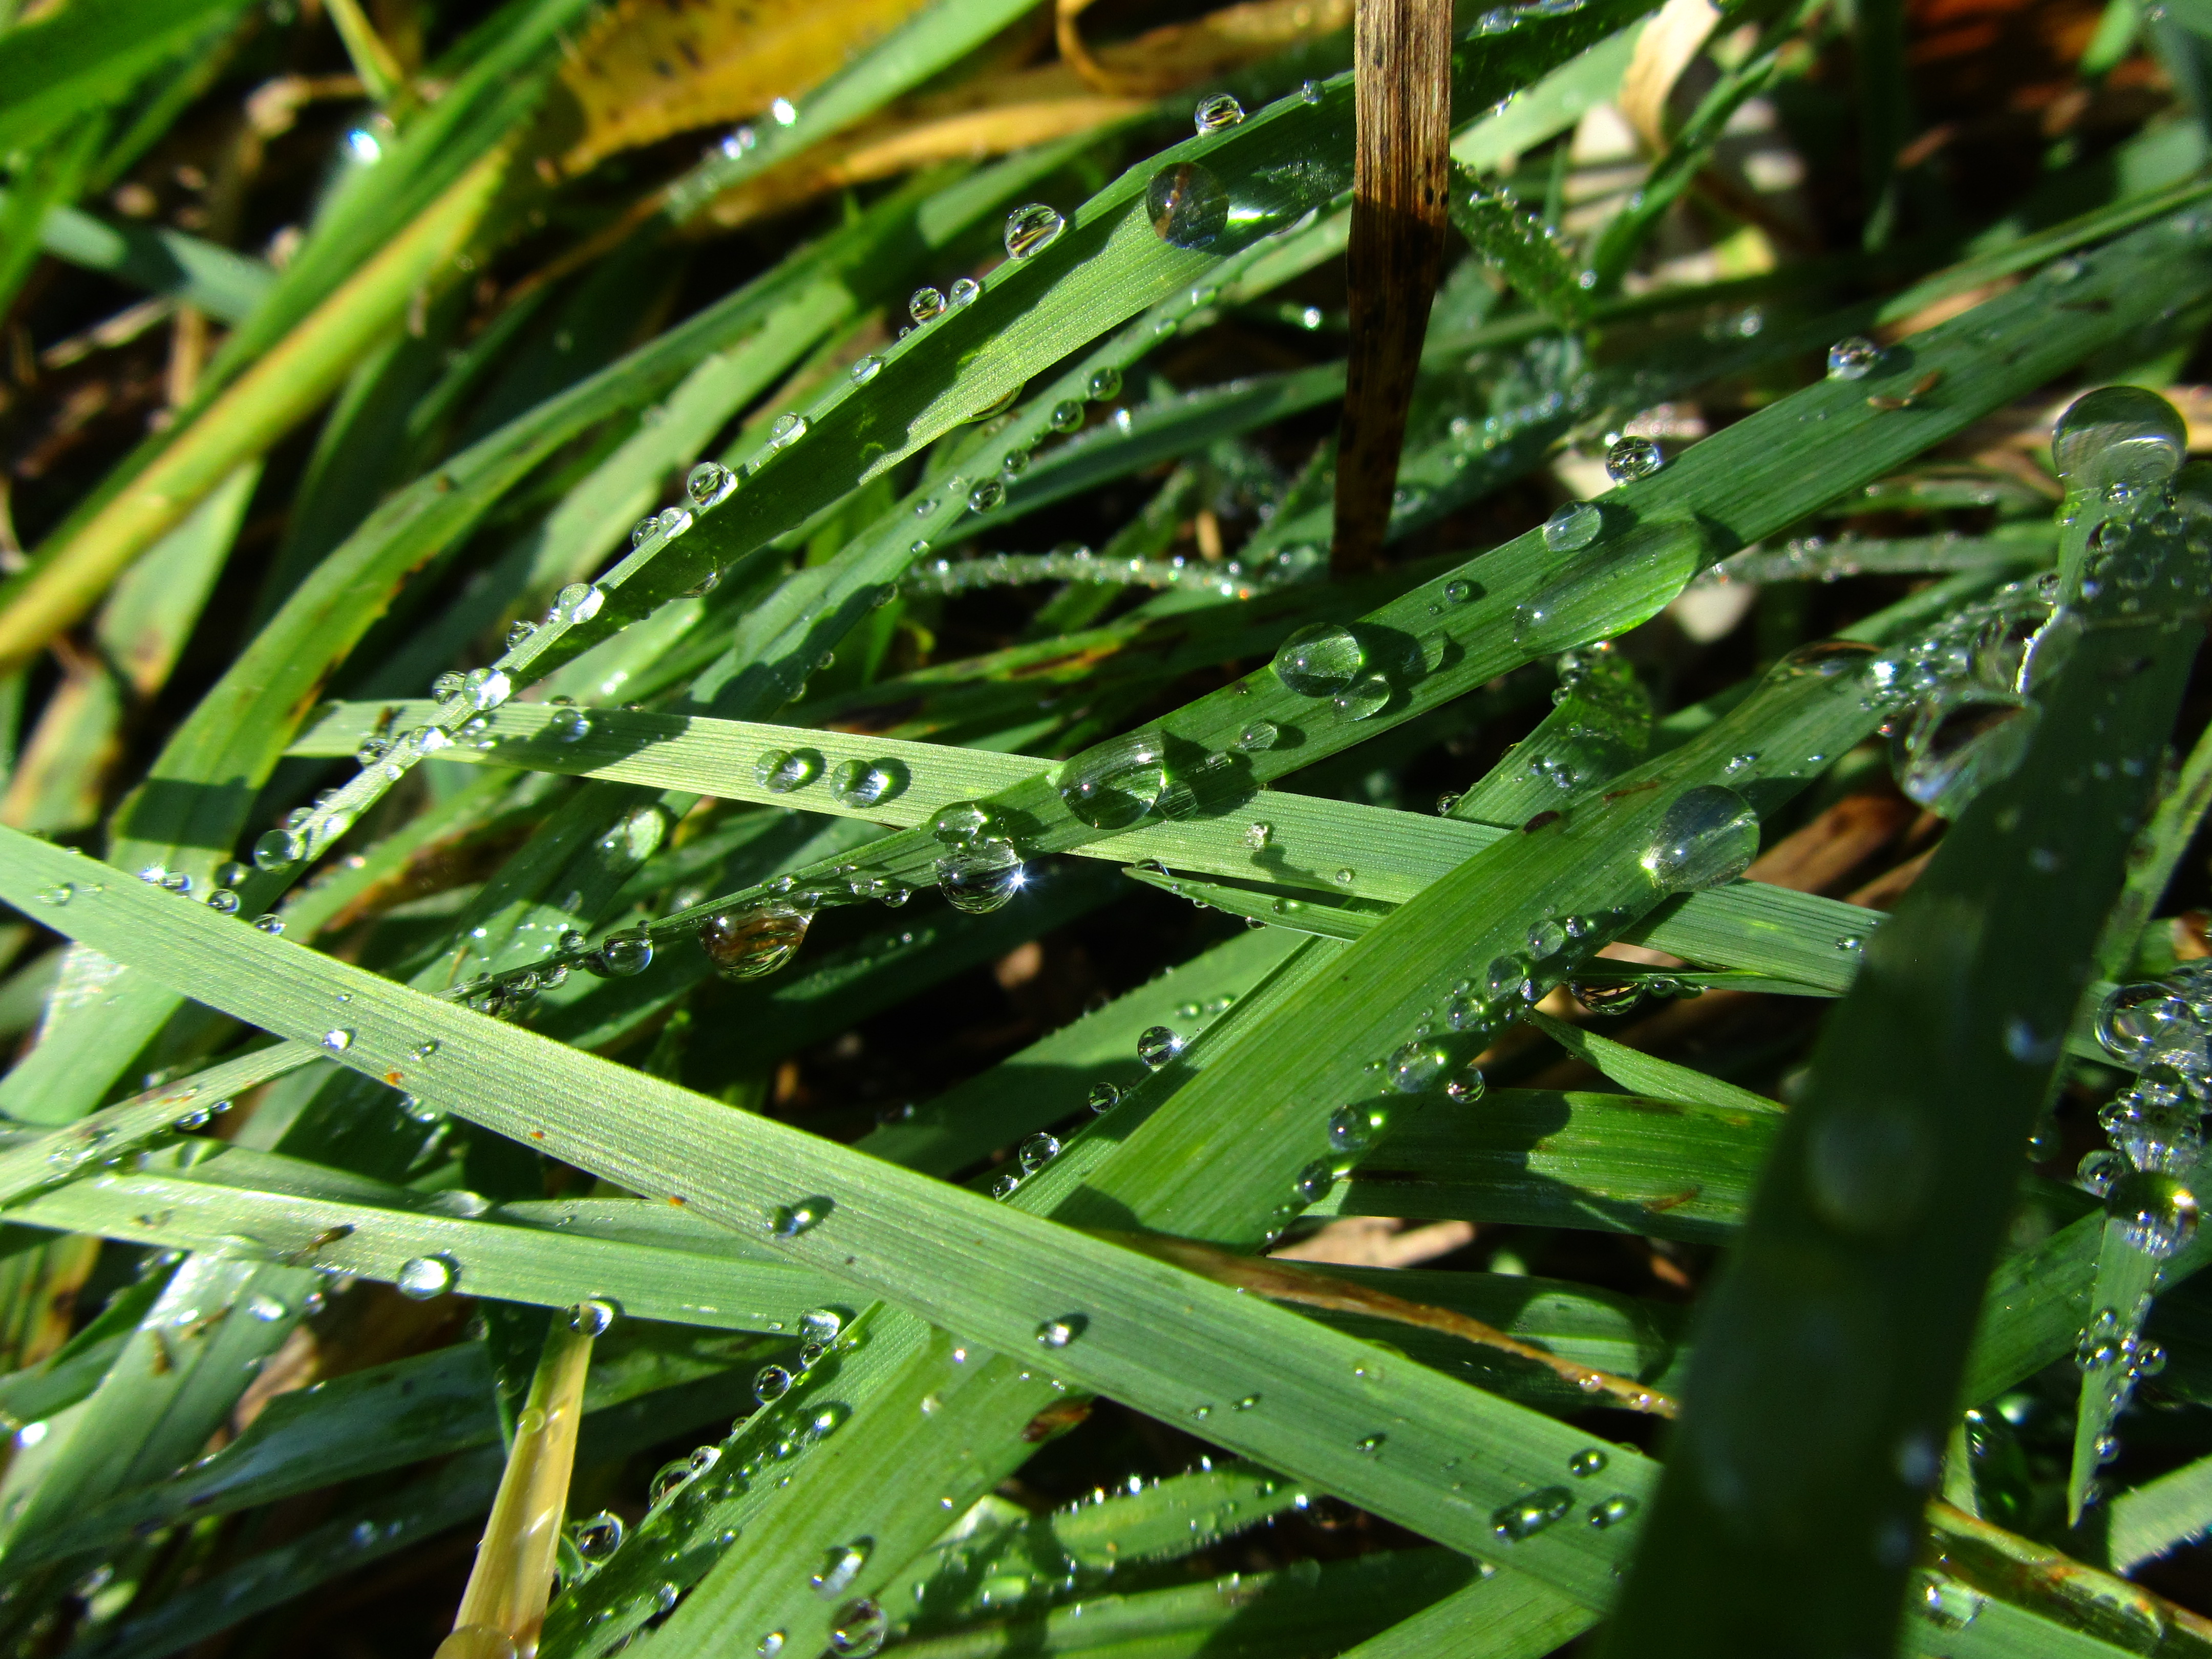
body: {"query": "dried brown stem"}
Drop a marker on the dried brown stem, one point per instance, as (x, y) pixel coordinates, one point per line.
(1401, 57)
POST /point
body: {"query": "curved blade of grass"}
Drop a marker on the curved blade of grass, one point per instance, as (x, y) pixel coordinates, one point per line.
(1647, 1074)
(1857, 1260)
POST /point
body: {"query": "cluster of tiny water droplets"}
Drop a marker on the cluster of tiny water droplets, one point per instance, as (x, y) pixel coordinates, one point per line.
(467, 698)
(1070, 562)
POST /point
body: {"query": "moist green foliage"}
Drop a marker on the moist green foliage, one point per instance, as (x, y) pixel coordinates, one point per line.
(754, 753)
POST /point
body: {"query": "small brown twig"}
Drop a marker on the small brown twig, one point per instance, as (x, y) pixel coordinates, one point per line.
(1401, 59)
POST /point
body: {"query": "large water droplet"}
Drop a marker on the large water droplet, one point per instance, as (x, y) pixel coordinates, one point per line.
(1258, 736)
(771, 1384)
(985, 495)
(780, 771)
(1032, 229)
(59, 892)
(1365, 696)
(2120, 436)
(1321, 660)
(790, 1220)
(1954, 748)
(753, 943)
(599, 1536)
(1613, 1511)
(1631, 458)
(706, 482)
(867, 369)
(859, 1630)
(1526, 1516)
(620, 956)
(1571, 527)
(860, 783)
(1217, 113)
(924, 304)
(2156, 1213)
(278, 850)
(1707, 836)
(1853, 359)
(1104, 385)
(1157, 1045)
(980, 877)
(423, 1277)
(1418, 1066)
(1186, 205)
(842, 1568)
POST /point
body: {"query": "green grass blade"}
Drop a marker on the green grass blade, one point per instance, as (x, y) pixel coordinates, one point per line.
(206, 275)
(1887, 1190)
(88, 55)
(1646, 1074)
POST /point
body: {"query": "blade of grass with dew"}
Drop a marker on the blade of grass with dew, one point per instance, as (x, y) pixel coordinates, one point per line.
(1647, 1074)
(1394, 855)
(1142, 1339)
(191, 812)
(1103, 264)
(1739, 484)
(1935, 1062)
(1533, 1158)
(1164, 1173)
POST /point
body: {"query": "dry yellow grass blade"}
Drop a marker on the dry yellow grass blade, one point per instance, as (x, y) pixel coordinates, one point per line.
(1007, 114)
(1667, 46)
(504, 1605)
(1179, 55)
(649, 69)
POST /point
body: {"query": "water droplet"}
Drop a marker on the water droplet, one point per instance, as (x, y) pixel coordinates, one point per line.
(1589, 1461)
(620, 956)
(1217, 113)
(1030, 229)
(1546, 938)
(1612, 1512)
(1526, 1516)
(706, 483)
(1117, 782)
(423, 1277)
(859, 783)
(1504, 980)
(1369, 1444)
(1058, 1333)
(962, 820)
(781, 771)
(1853, 359)
(1038, 1150)
(338, 1041)
(1630, 459)
(1345, 877)
(985, 495)
(1312, 1183)
(1105, 384)
(1954, 748)
(1354, 1128)
(1458, 592)
(1157, 1045)
(599, 1536)
(770, 1384)
(842, 1568)
(1571, 527)
(980, 876)
(270, 923)
(278, 850)
(790, 1220)
(266, 1308)
(753, 943)
(866, 369)
(60, 892)
(594, 1316)
(924, 304)
(1321, 660)
(1418, 1066)
(1104, 1097)
(1257, 835)
(770, 1645)
(859, 1630)
(964, 291)
(1365, 698)
(1186, 205)
(2156, 1213)
(2120, 437)
(1707, 836)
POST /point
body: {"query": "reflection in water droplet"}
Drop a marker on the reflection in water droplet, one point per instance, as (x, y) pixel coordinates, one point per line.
(1365, 696)
(1853, 359)
(1104, 1097)
(2118, 438)
(1525, 1517)
(1631, 458)
(1571, 527)
(866, 369)
(1709, 836)
(1116, 783)
(924, 304)
(1259, 735)
(1954, 748)
(1217, 113)
(985, 495)
(2156, 1213)
(770, 1384)
(790, 1220)
(980, 877)
(781, 771)
(1157, 1045)
(1321, 660)
(1058, 1333)
(1612, 1512)
(1186, 205)
(753, 943)
(859, 783)
(1032, 229)
(1105, 384)
(597, 1536)
(859, 1630)
(423, 1277)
